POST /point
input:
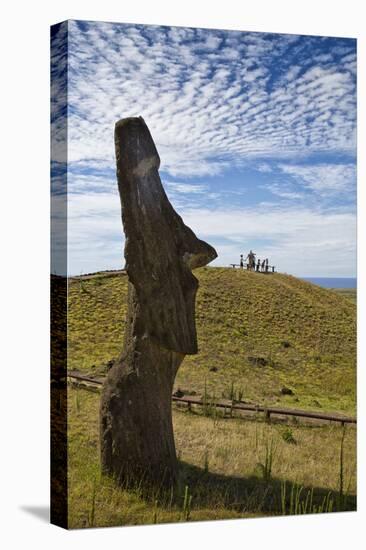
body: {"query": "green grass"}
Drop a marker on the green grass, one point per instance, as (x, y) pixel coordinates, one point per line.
(350, 293)
(256, 332)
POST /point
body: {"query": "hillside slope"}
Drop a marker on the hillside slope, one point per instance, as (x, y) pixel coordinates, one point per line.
(258, 332)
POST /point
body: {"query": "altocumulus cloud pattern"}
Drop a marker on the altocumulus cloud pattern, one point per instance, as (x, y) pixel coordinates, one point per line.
(256, 134)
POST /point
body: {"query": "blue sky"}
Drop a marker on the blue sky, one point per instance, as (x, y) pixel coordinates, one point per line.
(256, 133)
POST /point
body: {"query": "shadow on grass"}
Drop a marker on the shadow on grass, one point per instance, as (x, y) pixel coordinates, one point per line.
(257, 495)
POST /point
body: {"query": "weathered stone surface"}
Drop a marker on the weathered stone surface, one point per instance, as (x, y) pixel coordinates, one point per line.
(136, 423)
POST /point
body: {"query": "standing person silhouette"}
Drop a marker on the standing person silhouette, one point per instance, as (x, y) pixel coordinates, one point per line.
(263, 264)
(251, 260)
(258, 264)
(241, 261)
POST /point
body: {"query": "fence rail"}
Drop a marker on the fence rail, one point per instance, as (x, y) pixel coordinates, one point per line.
(235, 405)
(255, 268)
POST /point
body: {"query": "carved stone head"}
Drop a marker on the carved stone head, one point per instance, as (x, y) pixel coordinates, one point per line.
(160, 250)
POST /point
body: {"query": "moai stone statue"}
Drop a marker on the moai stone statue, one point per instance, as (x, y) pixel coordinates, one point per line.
(136, 430)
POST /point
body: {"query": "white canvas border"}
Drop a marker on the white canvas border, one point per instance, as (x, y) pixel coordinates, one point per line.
(25, 226)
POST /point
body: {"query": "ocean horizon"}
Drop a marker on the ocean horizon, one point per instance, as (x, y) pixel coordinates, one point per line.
(332, 282)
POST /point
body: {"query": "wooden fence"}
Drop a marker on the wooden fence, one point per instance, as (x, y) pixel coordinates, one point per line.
(230, 405)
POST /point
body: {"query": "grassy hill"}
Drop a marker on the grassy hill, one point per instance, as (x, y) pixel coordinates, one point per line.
(257, 334)
(350, 293)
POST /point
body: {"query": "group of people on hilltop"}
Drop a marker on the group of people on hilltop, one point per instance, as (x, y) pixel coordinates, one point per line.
(252, 264)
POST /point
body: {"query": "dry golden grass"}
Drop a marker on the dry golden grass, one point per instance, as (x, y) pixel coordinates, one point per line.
(222, 464)
(233, 447)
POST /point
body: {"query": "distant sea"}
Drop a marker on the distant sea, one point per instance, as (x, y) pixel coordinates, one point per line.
(332, 282)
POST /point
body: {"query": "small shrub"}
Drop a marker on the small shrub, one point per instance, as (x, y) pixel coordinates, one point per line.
(341, 499)
(77, 401)
(187, 500)
(234, 395)
(288, 436)
(91, 514)
(258, 361)
(205, 462)
(155, 516)
(264, 469)
(287, 391)
(298, 505)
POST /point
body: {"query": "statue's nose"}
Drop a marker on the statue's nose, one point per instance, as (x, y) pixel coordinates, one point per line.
(202, 255)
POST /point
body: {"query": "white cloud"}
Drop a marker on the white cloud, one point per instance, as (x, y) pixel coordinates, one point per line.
(202, 101)
(179, 187)
(264, 167)
(213, 100)
(300, 241)
(95, 234)
(324, 179)
(297, 240)
(284, 191)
